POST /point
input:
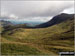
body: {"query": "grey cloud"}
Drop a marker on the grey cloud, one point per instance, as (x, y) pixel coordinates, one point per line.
(37, 0)
(34, 8)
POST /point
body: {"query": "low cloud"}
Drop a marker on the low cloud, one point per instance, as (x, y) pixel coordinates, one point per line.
(23, 9)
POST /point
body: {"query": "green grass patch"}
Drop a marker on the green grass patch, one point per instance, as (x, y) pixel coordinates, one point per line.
(18, 49)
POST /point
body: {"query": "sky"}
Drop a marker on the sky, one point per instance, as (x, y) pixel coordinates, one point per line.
(35, 10)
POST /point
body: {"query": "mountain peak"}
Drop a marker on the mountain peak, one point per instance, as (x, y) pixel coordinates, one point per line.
(56, 20)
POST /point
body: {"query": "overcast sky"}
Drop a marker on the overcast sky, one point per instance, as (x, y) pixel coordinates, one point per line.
(35, 10)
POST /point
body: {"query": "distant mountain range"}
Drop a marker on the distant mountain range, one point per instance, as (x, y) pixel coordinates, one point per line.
(56, 20)
(5, 23)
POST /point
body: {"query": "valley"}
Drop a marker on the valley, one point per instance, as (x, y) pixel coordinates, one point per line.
(45, 40)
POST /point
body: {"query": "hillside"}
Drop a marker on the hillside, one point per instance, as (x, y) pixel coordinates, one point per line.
(5, 23)
(56, 20)
(8, 26)
(50, 40)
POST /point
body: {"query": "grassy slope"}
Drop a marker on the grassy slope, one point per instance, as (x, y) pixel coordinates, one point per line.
(15, 48)
(49, 40)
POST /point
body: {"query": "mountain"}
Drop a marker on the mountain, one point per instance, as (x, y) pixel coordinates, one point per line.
(5, 23)
(8, 25)
(56, 20)
(49, 41)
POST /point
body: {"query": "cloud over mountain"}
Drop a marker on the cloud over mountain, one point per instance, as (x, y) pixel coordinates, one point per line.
(34, 8)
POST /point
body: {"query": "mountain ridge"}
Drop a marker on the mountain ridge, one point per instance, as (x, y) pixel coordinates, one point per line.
(56, 20)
